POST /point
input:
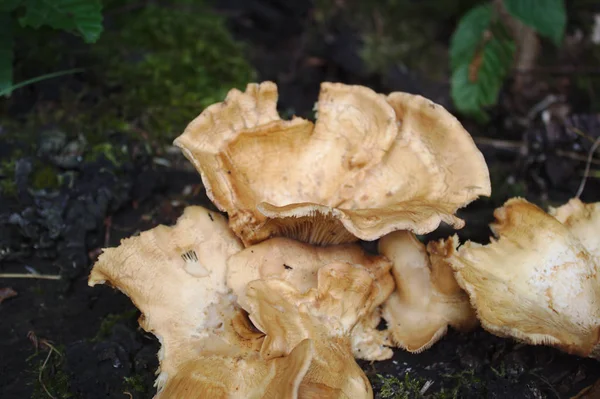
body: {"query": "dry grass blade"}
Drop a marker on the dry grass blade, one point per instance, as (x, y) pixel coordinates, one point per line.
(51, 349)
(31, 275)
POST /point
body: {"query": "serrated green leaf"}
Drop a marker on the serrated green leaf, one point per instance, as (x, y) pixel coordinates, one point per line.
(6, 52)
(470, 95)
(469, 34)
(547, 17)
(82, 16)
(9, 5)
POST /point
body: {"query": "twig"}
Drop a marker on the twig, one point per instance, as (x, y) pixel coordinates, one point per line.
(31, 275)
(584, 70)
(587, 167)
(581, 133)
(575, 156)
(500, 144)
(543, 379)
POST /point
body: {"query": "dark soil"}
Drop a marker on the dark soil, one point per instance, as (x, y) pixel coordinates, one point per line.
(100, 352)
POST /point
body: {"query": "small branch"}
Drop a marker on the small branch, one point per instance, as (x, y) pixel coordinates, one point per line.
(573, 70)
(575, 156)
(500, 144)
(31, 275)
(587, 167)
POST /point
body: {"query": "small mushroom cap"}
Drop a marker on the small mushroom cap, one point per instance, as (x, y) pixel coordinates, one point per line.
(427, 297)
(325, 315)
(298, 264)
(536, 282)
(176, 277)
(370, 165)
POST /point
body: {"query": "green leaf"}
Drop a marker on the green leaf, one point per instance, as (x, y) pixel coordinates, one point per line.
(469, 34)
(6, 52)
(476, 86)
(82, 16)
(9, 5)
(547, 17)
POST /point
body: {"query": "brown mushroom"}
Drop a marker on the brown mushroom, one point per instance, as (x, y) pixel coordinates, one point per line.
(298, 264)
(535, 282)
(427, 298)
(325, 315)
(176, 277)
(369, 166)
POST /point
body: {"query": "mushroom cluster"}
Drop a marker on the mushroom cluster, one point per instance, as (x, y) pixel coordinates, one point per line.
(278, 298)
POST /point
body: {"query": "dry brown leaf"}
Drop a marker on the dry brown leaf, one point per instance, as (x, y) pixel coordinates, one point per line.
(6, 293)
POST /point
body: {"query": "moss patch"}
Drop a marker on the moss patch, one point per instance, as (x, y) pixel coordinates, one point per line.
(110, 320)
(44, 177)
(154, 69)
(135, 383)
(408, 387)
(53, 381)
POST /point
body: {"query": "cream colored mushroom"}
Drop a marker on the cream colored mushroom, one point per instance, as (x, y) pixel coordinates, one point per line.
(535, 282)
(427, 298)
(176, 277)
(583, 220)
(298, 264)
(325, 315)
(369, 166)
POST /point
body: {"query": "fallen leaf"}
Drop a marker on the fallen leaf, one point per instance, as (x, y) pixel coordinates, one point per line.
(6, 293)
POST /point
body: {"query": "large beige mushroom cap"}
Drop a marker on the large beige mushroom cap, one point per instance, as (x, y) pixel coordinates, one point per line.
(427, 298)
(536, 282)
(325, 315)
(298, 264)
(176, 277)
(369, 166)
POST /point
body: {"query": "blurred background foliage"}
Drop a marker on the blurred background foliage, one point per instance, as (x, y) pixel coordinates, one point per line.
(149, 67)
(153, 69)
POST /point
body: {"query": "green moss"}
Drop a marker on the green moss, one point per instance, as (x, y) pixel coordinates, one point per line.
(107, 150)
(8, 186)
(135, 383)
(394, 388)
(154, 69)
(464, 381)
(44, 177)
(109, 321)
(169, 64)
(54, 380)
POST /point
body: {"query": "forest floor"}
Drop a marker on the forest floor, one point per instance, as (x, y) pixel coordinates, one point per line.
(60, 338)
